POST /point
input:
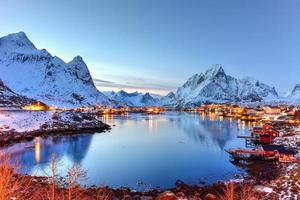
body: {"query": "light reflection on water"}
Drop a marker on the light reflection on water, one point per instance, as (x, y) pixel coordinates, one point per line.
(155, 150)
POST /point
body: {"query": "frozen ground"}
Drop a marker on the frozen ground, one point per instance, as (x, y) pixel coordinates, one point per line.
(23, 121)
(28, 121)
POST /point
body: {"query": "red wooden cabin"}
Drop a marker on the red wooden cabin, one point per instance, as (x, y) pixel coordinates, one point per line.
(265, 139)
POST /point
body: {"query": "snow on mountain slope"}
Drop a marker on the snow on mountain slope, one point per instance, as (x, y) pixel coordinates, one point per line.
(168, 100)
(9, 98)
(39, 75)
(253, 90)
(294, 95)
(215, 86)
(134, 99)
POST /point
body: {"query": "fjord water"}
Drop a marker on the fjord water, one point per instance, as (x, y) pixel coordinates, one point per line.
(143, 151)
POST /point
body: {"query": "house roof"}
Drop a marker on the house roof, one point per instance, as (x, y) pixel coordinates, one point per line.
(272, 129)
(280, 148)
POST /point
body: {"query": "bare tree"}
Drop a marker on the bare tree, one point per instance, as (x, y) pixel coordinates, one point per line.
(12, 185)
(53, 178)
(228, 191)
(74, 176)
(246, 191)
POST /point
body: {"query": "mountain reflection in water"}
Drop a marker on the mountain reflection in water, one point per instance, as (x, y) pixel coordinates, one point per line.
(155, 150)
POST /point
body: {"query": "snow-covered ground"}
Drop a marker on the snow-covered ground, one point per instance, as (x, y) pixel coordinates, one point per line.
(287, 185)
(23, 121)
(28, 121)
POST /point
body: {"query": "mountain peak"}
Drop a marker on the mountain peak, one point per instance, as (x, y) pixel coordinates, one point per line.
(16, 41)
(170, 95)
(147, 95)
(79, 58)
(296, 89)
(215, 70)
(218, 87)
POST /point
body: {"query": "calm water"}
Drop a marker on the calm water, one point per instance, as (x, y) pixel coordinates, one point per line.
(143, 151)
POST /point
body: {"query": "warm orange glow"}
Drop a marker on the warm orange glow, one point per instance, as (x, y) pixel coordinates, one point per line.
(38, 149)
(35, 106)
(153, 110)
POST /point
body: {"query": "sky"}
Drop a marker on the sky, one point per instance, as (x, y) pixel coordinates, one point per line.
(156, 45)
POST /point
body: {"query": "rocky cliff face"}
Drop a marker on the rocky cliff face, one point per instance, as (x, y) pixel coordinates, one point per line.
(9, 98)
(39, 75)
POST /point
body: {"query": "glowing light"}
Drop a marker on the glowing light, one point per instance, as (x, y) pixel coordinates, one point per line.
(36, 106)
(153, 110)
(38, 149)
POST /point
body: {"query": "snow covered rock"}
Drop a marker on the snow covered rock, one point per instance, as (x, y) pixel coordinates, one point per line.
(39, 75)
(8, 98)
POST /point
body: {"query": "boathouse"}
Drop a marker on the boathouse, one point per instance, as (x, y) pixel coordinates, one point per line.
(279, 151)
(265, 139)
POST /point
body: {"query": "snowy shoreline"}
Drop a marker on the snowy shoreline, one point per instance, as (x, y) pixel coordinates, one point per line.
(18, 126)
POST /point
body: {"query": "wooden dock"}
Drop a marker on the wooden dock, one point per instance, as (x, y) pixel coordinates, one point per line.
(255, 152)
(245, 136)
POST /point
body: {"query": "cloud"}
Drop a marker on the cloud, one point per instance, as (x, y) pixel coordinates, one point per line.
(96, 80)
(135, 84)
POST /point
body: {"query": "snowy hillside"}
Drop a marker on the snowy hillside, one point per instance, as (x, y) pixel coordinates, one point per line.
(253, 90)
(9, 98)
(294, 95)
(134, 99)
(215, 86)
(168, 100)
(39, 75)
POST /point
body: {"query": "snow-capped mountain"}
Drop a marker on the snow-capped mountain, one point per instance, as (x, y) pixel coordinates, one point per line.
(169, 99)
(294, 95)
(215, 86)
(39, 75)
(252, 90)
(134, 99)
(9, 98)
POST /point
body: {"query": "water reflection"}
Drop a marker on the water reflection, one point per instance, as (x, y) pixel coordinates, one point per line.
(154, 149)
(37, 149)
(209, 130)
(40, 150)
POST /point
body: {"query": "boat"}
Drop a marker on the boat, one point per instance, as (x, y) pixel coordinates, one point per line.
(245, 154)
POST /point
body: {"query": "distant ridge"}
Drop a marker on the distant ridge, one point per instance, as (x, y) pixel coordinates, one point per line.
(134, 99)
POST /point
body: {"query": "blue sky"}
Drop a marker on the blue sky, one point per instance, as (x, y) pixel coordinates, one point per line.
(156, 45)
